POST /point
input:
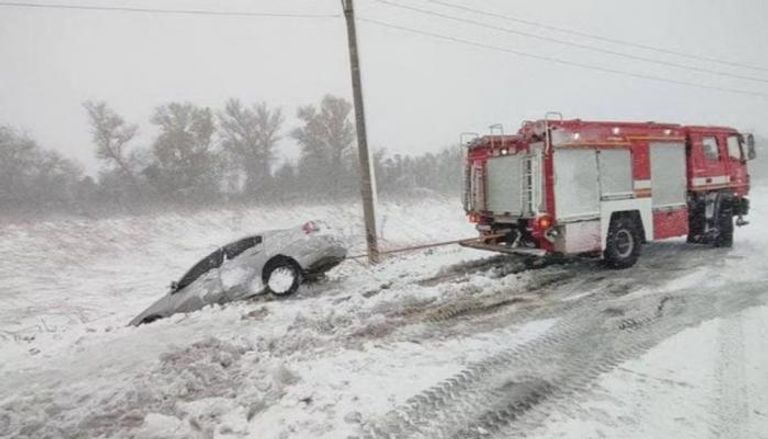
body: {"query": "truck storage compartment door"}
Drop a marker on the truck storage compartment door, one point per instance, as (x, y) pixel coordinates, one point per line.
(668, 190)
(668, 181)
(615, 174)
(505, 185)
(577, 191)
(476, 188)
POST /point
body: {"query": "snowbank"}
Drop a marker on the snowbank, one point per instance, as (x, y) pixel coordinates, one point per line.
(360, 345)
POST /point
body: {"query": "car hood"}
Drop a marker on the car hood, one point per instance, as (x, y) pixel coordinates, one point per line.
(205, 291)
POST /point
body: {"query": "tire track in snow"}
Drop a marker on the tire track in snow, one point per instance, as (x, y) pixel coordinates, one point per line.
(512, 391)
(732, 409)
(674, 313)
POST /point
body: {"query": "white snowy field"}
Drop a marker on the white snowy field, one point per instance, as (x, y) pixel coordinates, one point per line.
(448, 342)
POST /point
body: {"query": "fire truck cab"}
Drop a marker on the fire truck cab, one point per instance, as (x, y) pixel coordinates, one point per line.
(573, 187)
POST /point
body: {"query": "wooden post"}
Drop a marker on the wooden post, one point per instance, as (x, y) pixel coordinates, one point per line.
(362, 137)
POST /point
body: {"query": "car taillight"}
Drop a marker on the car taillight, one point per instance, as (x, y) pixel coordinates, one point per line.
(310, 227)
(544, 222)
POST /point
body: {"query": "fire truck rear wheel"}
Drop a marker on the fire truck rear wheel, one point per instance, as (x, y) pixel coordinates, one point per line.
(622, 246)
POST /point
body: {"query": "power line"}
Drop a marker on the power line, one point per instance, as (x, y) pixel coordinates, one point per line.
(559, 61)
(598, 37)
(164, 11)
(572, 44)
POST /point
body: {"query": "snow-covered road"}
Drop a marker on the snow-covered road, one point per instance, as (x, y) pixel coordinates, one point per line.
(445, 343)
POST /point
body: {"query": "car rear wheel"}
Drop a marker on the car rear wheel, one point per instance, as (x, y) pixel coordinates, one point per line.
(282, 277)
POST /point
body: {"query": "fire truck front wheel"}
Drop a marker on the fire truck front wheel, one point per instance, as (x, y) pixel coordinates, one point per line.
(622, 246)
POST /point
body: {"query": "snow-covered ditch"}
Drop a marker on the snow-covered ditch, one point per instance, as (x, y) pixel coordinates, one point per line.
(321, 363)
(71, 368)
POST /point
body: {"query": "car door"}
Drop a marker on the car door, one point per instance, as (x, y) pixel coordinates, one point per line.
(241, 265)
(210, 262)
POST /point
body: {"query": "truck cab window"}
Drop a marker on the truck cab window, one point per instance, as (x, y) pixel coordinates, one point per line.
(711, 151)
(734, 148)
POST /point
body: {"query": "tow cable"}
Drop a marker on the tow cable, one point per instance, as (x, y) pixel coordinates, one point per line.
(432, 245)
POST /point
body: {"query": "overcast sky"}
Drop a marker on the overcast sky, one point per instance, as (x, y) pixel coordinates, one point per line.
(420, 92)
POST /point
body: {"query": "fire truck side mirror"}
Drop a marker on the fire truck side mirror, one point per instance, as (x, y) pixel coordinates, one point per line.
(751, 152)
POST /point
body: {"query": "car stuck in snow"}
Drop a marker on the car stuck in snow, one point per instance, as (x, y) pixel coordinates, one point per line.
(275, 262)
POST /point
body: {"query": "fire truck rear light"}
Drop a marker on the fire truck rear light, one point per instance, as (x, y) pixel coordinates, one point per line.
(616, 131)
(667, 132)
(474, 218)
(576, 136)
(504, 152)
(544, 222)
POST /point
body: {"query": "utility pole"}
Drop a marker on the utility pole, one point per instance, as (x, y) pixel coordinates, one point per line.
(362, 136)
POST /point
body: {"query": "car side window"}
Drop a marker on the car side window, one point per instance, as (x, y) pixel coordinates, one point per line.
(711, 151)
(236, 248)
(214, 260)
(734, 148)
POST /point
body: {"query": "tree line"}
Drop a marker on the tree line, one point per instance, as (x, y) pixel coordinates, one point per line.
(202, 156)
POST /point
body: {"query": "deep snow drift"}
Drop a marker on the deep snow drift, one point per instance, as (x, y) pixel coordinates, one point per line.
(448, 342)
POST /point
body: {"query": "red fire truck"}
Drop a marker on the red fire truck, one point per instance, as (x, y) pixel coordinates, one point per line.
(573, 187)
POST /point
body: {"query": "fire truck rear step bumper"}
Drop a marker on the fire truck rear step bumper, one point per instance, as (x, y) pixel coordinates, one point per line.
(477, 244)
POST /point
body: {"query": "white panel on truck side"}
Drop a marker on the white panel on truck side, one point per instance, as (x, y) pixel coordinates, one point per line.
(579, 237)
(615, 173)
(577, 191)
(476, 188)
(668, 180)
(540, 191)
(505, 185)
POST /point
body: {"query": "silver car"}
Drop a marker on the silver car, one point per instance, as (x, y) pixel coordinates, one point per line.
(275, 262)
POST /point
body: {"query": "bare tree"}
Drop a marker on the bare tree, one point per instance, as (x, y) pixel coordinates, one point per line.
(186, 168)
(18, 155)
(111, 134)
(33, 178)
(326, 140)
(56, 178)
(285, 181)
(249, 135)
